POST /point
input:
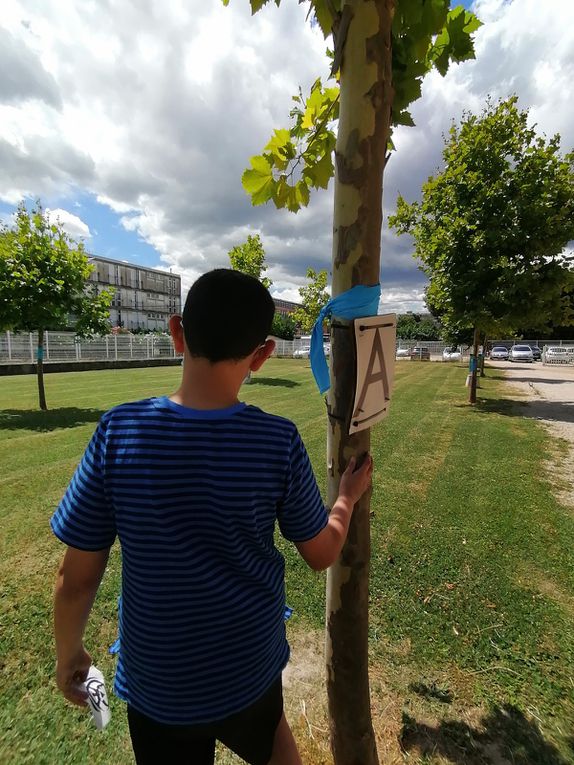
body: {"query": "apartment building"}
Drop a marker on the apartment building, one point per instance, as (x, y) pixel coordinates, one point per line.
(144, 298)
(285, 307)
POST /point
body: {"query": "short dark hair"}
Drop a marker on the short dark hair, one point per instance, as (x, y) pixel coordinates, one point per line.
(227, 315)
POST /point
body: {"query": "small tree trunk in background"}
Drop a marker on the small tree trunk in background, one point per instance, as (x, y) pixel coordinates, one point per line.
(474, 372)
(364, 120)
(40, 370)
(483, 355)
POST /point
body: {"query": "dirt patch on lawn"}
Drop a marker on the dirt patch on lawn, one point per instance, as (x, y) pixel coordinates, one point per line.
(418, 717)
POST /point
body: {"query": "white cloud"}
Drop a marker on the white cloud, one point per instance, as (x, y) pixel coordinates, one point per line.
(401, 301)
(156, 108)
(72, 224)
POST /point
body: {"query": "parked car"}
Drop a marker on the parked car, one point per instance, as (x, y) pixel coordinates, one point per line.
(521, 353)
(305, 351)
(403, 353)
(452, 354)
(499, 353)
(559, 354)
(536, 352)
(420, 354)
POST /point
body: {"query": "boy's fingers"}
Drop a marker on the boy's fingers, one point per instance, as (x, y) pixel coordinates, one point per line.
(367, 464)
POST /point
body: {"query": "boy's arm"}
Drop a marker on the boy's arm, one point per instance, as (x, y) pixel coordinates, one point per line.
(322, 550)
(78, 580)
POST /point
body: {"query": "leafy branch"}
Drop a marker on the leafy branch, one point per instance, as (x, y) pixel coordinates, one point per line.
(426, 34)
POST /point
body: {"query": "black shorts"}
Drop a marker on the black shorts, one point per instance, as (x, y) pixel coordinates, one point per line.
(248, 733)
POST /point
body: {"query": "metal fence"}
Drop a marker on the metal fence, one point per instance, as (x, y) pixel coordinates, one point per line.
(65, 346)
(21, 347)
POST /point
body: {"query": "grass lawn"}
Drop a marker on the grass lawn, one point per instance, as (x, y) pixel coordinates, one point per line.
(472, 593)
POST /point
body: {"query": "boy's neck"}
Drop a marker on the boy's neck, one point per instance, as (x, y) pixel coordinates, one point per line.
(209, 386)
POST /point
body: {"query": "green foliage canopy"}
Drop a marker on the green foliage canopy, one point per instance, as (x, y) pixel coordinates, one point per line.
(43, 277)
(249, 258)
(426, 34)
(412, 327)
(284, 326)
(313, 298)
(493, 224)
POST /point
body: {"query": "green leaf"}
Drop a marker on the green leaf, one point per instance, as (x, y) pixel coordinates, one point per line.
(302, 191)
(281, 193)
(313, 106)
(324, 16)
(259, 182)
(281, 148)
(403, 118)
(320, 173)
(256, 5)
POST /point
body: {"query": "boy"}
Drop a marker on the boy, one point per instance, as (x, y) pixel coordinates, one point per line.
(192, 485)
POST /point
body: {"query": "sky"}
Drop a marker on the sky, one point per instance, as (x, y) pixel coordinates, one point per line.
(133, 121)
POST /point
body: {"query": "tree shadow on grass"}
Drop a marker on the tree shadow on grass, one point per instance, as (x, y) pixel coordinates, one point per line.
(275, 381)
(53, 419)
(503, 737)
(536, 409)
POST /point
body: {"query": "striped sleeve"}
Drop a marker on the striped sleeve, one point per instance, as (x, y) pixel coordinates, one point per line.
(84, 518)
(301, 514)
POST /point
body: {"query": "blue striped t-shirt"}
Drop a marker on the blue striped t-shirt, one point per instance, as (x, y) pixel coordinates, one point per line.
(193, 497)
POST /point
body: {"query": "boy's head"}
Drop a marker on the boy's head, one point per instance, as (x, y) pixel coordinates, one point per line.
(226, 316)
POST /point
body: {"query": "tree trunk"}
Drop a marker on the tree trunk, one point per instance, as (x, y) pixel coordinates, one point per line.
(40, 370)
(483, 354)
(474, 369)
(364, 119)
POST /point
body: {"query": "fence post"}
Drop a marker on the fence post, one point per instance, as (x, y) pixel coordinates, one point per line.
(9, 343)
(31, 348)
(107, 348)
(131, 347)
(77, 346)
(116, 346)
(46, 345)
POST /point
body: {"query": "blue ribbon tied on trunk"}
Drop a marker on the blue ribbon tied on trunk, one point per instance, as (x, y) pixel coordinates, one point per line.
(358, 302)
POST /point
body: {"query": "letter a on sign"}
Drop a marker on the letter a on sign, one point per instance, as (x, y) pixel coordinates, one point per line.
(375, 341)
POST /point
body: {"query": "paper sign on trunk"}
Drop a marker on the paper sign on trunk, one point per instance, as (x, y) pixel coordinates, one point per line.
(375, 339)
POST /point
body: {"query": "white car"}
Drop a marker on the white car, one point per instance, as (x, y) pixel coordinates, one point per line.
(559, 354)
(451, 354)
(403, 353)
(305, 351)
(521, 353)
(499, 353)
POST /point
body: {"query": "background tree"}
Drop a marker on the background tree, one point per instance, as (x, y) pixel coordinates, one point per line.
(382, 49)
(43, 277)
(283, 326)
(313, 298)
(412, 327)
(493, 224)
(249, 258)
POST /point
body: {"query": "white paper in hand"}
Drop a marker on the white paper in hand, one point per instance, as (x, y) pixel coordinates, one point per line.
(97, 697)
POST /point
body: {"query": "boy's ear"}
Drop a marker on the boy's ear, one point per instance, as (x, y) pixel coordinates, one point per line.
(176, 331)
(262, 354)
